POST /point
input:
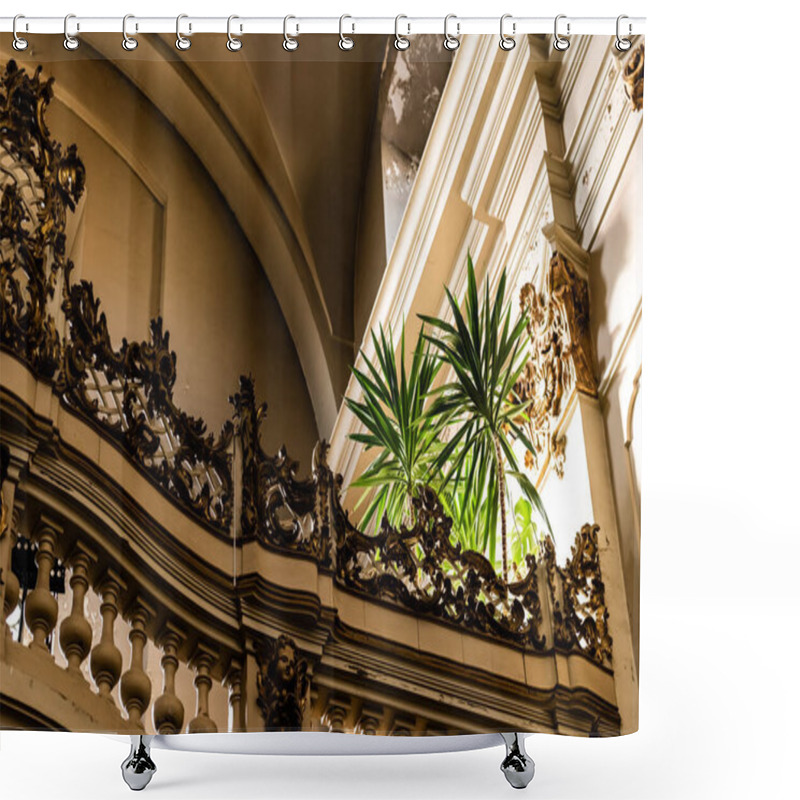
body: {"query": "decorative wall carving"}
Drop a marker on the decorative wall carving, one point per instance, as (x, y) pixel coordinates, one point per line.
(40, 181)
(423, 570)
(276, 506)
(125, 392)
(129, 393)
(633, 77)
(580, 617)
(282, 681)
(562, 357)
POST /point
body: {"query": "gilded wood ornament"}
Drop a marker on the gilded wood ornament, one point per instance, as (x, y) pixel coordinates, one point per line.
(580, 617)
(423, 570)
(40, 182)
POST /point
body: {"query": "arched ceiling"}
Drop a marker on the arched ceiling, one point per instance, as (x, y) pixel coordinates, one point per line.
(285, 137)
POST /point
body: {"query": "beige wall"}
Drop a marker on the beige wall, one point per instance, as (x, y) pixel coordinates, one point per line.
(616, 291)
(154, 235)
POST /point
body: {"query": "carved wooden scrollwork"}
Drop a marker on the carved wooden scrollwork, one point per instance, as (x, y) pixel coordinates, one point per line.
(129, 392)
(277, 506)
(424, 571)
(282, 683)
(580, 616)
(40, 181)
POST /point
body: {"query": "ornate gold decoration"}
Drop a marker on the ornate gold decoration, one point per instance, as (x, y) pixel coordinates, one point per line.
(580, 616)
(561, 357)
(409, 567)
(39, 182)
(276, 506)
(127, 393)
(282, 681)
(633, 76)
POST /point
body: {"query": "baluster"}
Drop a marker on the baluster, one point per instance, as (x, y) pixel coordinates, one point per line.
(202, 662)
(106, 659)
(75, 633)
(168, 709)
(11, 581)
(135, 687)
(41, 608)
(233, 680)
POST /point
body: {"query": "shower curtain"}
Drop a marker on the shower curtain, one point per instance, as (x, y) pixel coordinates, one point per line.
(320, 385)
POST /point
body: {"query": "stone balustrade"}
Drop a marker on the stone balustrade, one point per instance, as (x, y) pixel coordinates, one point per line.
(51, 646)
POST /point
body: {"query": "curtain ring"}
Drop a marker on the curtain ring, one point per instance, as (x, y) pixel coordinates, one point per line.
(233, 44)
(345, 42)
(128, 42)
(623, 45)
(70, 42)
(182, 43)
(451, 42)
(400, 42)
(507, 42)
(559, 42)
(290, 43)
(19, 43)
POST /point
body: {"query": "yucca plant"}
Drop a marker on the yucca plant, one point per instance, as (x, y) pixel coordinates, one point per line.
(486, 351)
(392, 410)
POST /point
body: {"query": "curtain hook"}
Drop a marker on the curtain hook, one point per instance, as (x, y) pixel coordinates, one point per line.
(400, 42)
(128, 42)
(507, 42)
(19, 43)
(233, 44)
(559, 42)
(345, 42)
(623, 44)
(70, 42)
(290, 43)
(182, 42)
(451, 42)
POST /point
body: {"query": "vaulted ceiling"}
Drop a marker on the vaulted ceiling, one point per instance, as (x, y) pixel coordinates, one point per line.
(289, 139)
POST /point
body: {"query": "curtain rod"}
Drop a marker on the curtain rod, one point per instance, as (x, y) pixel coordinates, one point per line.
(297, 25)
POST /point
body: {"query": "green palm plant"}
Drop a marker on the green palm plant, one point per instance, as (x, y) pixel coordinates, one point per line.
(392, 411)
(487, 354)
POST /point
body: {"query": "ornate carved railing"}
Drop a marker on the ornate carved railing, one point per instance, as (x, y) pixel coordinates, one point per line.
(421, 569)
(127, 394)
